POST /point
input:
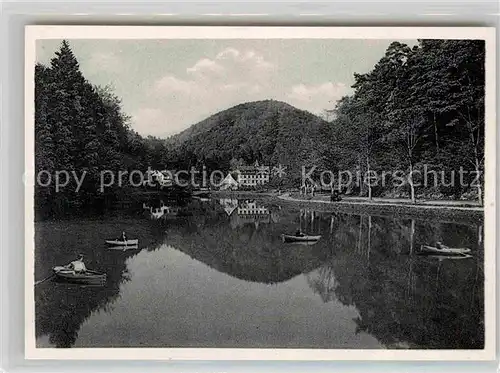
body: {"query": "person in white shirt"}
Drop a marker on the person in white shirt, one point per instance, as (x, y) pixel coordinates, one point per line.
(77, 265)
(441, 246)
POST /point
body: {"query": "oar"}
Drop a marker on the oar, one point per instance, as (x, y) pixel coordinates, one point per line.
(45, 279)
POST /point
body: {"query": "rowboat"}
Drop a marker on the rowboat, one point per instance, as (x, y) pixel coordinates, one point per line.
(122, 243)
(290, 238)
(306, 243)
(431, 250)
(123, 248)
(88, 277)
(449, 257)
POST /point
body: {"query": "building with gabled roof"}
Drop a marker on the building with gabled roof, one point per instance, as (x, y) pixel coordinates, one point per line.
(254, 175)
(229, 183)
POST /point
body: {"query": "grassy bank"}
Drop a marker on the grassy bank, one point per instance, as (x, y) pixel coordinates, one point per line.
(404, 210)
(422, 210)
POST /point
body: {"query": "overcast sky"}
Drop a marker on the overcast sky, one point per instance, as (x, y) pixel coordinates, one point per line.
(168, 85)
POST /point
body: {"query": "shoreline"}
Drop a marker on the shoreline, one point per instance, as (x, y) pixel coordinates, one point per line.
(431, 212)
(425, 209)
(420, 205)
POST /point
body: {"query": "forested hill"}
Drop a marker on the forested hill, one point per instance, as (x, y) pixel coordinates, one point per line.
(419, 109)
(251, 112)
(417, 116)
(80, 129)
(269, 131)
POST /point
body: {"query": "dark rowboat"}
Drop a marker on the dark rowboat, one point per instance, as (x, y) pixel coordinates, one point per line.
(449, 257)
(87, 278)
(305, 238)
(122, 243)
(431, 250)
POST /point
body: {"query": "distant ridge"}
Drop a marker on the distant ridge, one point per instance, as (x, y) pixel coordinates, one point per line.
(214, 120)
(269, 131)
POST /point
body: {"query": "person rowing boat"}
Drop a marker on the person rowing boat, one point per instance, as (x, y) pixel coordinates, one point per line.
(441, 246)
(299, 233)
(123, 237)
(77, 266)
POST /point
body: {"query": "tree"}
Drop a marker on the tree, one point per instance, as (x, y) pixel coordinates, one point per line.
(419, 105)
(236, 164)
(448, 85)
(364, 128)
(465, 77)
(44, 139)
(78, 127)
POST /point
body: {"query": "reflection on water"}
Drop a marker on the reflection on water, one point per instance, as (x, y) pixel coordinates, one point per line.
(173, 300)
(161, 210)
(250, 212)
(229, 205)
(217, 274)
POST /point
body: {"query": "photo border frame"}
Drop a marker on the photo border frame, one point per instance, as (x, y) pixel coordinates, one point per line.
(17, 14)
(260, 32)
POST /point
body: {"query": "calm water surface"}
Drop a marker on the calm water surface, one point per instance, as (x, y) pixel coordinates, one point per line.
(216, 273)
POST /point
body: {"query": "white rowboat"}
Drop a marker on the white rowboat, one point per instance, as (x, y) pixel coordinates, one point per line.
(122, 243)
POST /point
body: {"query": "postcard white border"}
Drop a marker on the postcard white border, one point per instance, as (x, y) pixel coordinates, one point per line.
(32, 33)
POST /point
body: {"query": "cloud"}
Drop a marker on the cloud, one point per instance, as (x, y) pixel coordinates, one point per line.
(231, 64)
(250, 57)
(231, 76)
(316, 98)
(208, 86)
(152, 121)
(105, 61)
(248, 65)
(205, 66)
(170, 84)
(229, 71)
(228, 53)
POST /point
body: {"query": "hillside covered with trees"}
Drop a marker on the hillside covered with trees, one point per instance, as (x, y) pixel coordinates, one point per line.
(418, 116)
(270, 132)
(81, 128)
(419, 109)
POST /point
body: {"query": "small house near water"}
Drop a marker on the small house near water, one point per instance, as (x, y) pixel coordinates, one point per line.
(229, 183)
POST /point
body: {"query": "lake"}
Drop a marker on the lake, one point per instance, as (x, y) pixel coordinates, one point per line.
(216, 273)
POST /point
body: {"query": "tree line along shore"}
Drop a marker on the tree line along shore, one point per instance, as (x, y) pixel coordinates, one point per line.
(420, 106)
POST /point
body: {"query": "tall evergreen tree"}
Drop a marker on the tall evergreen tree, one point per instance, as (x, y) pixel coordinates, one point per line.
(44, 140)
(78, 128)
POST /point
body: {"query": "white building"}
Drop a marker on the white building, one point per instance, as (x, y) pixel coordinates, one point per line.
(252, 208)
(251, 176)
(229, 183)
